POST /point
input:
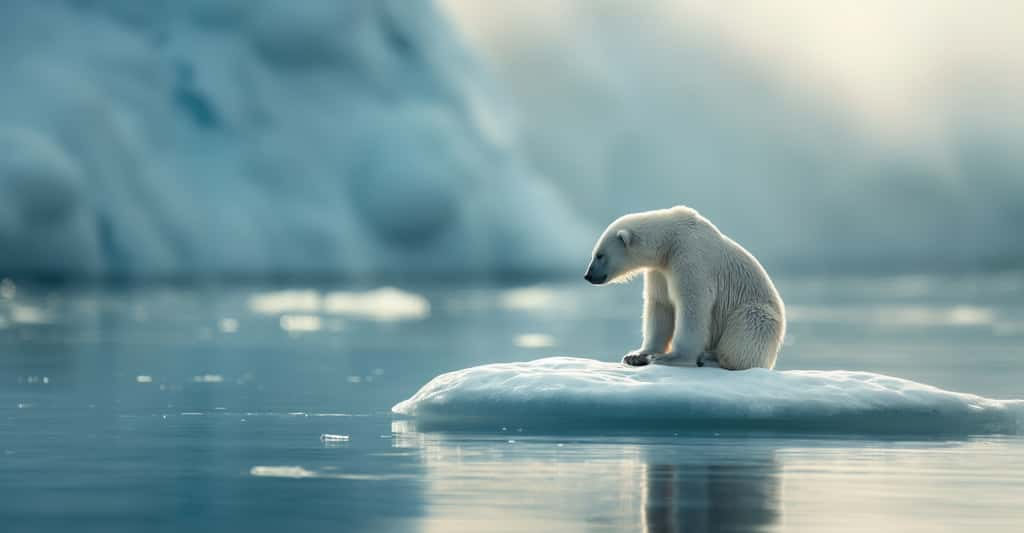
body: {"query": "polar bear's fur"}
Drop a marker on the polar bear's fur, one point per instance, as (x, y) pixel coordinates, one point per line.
(707, 301)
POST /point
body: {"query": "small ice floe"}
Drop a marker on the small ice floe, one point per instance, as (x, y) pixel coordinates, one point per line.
(568, 393)
(331, 438)
(228, 325)
(534, 340)
(143, 379)
(208, 378)
(29, 315)
(273, 303)
(294, 472)
(300, 323)
(8, 289)
(527, 299)
(386, 304)
(298, 472)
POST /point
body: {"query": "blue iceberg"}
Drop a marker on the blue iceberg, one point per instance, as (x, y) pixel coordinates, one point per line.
(569, 393)
(197, 139)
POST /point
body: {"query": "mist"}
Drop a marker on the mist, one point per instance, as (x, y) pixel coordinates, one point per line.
(866, 138)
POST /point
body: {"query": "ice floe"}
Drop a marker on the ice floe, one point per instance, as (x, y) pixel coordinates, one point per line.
(563, 393)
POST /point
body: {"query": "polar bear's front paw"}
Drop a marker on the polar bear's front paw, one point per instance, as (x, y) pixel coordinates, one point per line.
(708, 359)
(637, 358)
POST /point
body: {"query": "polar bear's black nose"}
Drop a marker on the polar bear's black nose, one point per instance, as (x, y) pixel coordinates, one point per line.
(588, 275)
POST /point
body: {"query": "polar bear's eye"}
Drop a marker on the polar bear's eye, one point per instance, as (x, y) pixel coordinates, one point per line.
(599, 257)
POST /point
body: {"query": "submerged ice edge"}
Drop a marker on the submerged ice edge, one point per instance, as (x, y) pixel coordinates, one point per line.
(565, 393)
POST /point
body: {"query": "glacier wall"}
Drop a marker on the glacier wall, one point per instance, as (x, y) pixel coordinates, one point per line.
(174, 138)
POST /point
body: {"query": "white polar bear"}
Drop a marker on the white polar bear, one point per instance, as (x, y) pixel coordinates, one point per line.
(707, 301)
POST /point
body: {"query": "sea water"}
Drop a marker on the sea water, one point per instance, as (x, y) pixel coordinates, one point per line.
(190, 408)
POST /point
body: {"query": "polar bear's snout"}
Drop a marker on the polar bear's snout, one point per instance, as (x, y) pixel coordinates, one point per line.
(596, 273)
(595, 280)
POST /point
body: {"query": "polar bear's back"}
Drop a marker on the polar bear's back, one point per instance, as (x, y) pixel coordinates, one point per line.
(748, 309)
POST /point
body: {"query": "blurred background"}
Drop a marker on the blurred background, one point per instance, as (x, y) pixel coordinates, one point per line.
(228, 227)
(352, 140)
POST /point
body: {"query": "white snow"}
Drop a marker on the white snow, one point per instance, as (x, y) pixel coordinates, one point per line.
(561, 393)
(193, 138)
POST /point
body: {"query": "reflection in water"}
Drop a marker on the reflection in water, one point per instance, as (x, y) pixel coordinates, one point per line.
(711, 496)
(661, 483)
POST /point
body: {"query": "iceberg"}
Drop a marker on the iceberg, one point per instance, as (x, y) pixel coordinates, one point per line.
(259, 138)
(571, 393)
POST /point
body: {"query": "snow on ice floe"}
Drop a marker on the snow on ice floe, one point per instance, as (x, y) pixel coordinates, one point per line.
(583, 394)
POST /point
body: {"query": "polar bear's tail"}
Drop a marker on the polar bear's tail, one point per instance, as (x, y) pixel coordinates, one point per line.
(752, 336)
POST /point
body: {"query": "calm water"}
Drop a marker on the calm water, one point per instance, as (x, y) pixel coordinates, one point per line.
(178, 409)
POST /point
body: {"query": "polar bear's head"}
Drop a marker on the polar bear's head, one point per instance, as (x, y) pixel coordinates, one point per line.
(645, 240)
(614, 257)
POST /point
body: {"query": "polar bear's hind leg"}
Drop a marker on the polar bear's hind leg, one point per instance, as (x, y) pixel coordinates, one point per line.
(751, 338)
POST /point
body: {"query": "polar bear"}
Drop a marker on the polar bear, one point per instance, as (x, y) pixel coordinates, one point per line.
(707, 301)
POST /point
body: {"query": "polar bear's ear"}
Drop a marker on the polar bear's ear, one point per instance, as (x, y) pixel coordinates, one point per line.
(625, 236)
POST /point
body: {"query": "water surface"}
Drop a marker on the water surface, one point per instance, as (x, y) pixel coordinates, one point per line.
(184, 408)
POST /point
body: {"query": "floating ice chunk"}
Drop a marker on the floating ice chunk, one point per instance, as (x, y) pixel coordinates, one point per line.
(534, 340)
(527, 299)
(298, 472)
(8, 289)
(278, 302)
(559, 393)
(26, 314)
(384, 304)
(228, 325)
(300, 323)
(327, 437)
